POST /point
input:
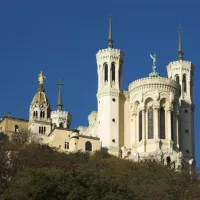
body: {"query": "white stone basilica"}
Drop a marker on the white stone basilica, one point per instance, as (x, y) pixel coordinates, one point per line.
(154, 118)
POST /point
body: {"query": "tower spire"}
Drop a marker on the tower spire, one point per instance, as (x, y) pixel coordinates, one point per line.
(180, 48)
(60, 105)
(110, 41)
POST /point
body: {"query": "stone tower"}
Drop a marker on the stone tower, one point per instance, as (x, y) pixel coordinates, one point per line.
(183, 72)
(39, 113)
(60, 118)
(110, 96)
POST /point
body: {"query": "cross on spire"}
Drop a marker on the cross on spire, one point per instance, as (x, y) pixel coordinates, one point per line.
(60, 105)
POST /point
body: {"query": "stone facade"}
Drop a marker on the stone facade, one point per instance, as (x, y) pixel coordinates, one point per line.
(153, 119)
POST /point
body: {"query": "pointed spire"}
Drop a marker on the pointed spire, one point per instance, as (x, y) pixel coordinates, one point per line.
(60, 105)
(110, 41)
(180, 48)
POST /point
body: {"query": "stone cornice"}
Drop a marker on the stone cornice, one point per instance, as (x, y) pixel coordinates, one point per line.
(154, 83)
(109, 92)
(182, 65)
(110, 54)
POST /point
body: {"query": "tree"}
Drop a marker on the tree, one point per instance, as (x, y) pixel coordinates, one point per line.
(41, 172)
(23, 138)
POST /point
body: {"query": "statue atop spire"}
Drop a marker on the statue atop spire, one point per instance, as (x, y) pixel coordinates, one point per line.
(110, 41)
(41, 78)
(60, 105)
(154, 73)
(180, 48)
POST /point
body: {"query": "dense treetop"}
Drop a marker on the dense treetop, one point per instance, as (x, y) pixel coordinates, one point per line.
(38, 172)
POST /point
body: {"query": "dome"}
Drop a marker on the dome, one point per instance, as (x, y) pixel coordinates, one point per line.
(40, 98)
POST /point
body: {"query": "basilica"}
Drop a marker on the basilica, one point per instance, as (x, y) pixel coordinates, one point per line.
(154, 118)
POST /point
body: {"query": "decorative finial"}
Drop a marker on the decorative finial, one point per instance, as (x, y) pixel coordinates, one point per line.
(154, 73)
(180, 48)
(41, 82)
(60, 105)
(110, 41)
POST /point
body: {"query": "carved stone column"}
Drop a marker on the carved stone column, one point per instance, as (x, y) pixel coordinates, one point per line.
(116, 75)
(188, 88)
(177, 128)
(143, 124)
(133, 138)
(169, 124)
(169, 127)
(109, 75)
(156, 121)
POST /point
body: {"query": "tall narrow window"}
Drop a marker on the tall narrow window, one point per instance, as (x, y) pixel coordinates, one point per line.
(16, 128)
(36, 113)
(40, 114)
(66, 145)
(39, 129)
(88, 146)
(44, 130)
(184, 83)
(140, 126)
(177, 79)
(172, 126)
(162, 123)
(105, 72)
(150, 123)
(113, 71)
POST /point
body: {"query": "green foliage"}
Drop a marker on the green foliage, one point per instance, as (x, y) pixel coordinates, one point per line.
(41, 173)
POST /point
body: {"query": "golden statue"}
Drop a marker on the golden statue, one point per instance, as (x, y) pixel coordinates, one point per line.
(41, 78)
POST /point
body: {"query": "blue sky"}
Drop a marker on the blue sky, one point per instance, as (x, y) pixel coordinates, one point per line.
(62, 37)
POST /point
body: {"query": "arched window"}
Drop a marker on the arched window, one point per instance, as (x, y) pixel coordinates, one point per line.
(177, 79)
(168, 159)
(113, 71)
(40, 114)
(88, 146)
(61, 125)
(140, 126)
(184, 83)
(162, 123)
(16, 128)
(43, 114)
(150, 123)
(105, 72)
(36, 113)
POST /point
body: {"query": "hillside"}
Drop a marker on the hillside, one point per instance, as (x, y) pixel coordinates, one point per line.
(41, 173)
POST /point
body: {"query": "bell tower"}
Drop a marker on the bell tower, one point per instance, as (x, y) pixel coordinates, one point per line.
(183, 72)
(110, 96)
(39, 112)
(60, 118)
